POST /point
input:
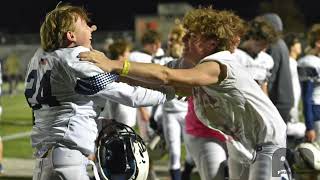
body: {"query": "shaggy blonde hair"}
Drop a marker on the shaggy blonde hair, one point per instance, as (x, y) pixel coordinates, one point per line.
(223, 26)
(313, 35)
(177, 32)
(57, 23)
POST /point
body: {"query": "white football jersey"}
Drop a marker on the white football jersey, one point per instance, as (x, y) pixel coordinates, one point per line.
(259, 67)
(66, 96)
(309, 69)
(238, 107)
(120, 113)
(143, 57)
(295, 80)
(137, 56)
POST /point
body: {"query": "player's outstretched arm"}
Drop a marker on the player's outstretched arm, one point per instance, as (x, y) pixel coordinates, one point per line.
(136, 96)
(206, 73)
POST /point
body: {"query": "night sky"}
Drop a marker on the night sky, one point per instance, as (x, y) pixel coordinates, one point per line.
(25, 16)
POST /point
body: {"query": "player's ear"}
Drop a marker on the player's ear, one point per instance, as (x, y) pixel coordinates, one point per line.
(211, 44)
(71, 36)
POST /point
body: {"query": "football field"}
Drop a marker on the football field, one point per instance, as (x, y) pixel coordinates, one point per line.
(15, 128)
(15, 124)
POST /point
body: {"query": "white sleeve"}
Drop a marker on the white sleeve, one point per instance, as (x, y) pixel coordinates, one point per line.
(81, 69)
(135, 96)
(108, 111)
(90, 79)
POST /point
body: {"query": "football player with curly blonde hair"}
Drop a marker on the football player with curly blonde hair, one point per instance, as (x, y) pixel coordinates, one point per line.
(225, 95)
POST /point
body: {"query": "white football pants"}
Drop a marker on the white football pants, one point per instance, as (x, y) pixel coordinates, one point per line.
(61, 163)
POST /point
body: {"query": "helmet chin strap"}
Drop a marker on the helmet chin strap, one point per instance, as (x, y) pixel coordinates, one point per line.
(95, 170)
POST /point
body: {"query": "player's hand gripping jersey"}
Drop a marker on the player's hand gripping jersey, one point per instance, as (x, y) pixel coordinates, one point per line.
(66, 96)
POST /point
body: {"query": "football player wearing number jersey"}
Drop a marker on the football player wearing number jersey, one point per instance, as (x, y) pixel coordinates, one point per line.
(251, 53)
(151, 42)
(119, 49)
(174, 112)
(309, 75)
(225, 96)
(66, 96)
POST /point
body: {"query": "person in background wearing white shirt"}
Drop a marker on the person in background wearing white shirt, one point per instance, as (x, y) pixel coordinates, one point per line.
(225, 96)
(151, 42)
(251, 53)
(295, 128)
(309, 74)
(120, 50)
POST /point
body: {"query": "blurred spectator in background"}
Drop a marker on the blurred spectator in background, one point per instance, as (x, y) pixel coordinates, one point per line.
(1, 145)
(1, 81)
(107, 42)
(295, 128)
(1, 156)
(174, 111)
(11, 69)
(120, 50)
(280, 84)
(151, 42)
(251, 52)
(309, 71)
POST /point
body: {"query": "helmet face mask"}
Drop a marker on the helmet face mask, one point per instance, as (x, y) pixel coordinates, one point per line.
(121, 152)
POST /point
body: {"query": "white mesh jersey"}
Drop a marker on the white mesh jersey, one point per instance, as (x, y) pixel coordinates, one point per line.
(238, 107)
(66, 96)
(142, 57)
(258, 67)
(137, 56)
(121, 113)
(309, 69)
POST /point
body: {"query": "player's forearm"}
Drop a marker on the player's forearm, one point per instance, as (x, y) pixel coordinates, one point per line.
(149, 73)
(136, 96)
(145, 72)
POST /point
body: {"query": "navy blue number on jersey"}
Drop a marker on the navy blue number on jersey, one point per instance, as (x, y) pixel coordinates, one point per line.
(44, 95)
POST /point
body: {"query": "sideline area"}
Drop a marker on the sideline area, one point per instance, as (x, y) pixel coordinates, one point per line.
(21, 169)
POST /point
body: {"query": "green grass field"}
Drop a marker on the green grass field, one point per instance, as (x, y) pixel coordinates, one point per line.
(16, 118)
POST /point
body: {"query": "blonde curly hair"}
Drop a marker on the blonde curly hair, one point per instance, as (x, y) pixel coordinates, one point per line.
(175, 43)
(313, 35)
(223, 26)
(57, 23)
(178, 31)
